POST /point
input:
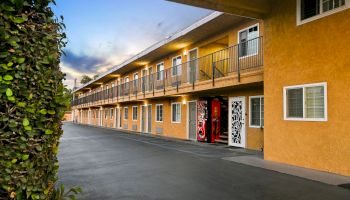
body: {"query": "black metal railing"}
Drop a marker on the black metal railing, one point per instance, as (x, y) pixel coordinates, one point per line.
(223, 63)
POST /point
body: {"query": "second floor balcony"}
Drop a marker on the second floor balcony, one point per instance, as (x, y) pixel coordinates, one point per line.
(227, 67)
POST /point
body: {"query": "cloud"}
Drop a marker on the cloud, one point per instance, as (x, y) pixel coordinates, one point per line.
(82, 63)
(76, 65)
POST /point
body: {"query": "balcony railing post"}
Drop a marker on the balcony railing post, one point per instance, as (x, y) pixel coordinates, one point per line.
(193, 75)
(117, 92)
(153, 83)
(177, 79)
(129, 87)
(238, 63)
(163, 81)
(213, 69)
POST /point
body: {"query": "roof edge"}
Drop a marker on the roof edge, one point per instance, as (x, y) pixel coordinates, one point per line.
(155, 46)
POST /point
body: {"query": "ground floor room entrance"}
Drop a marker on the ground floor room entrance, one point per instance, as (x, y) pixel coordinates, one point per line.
(143, 119)
(237, 130)
(116, 117)
(192, 120)
(149, 118)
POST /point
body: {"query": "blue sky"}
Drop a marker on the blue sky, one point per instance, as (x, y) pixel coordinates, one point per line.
(104, 33)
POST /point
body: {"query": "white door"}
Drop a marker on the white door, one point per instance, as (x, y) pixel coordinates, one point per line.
(192, 120)
(149, 118)
(237, 131)
(116, 117)
(143, 119)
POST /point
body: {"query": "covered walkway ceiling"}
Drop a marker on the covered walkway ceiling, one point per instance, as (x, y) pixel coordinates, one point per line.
(248, 8)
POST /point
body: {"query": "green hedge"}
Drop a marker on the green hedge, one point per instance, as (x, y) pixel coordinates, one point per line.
(32, 98)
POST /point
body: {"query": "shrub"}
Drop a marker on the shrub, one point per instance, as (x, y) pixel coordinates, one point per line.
(32, 98)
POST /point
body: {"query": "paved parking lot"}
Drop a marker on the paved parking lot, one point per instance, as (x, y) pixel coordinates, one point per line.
(110, 164)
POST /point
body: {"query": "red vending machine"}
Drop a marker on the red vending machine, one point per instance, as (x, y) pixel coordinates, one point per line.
(215, 120)
(202, 117)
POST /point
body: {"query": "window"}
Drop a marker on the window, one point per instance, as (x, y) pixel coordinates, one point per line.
(126, 83)
(248, 41)
(309, 10)
(111, 113)
(134, 113)
(306, 102)
(176, 112)
(256, 107)
(159, 113)
(126, 112)
(176, 68)
(136, 79)
(106, 113)
(160, 71)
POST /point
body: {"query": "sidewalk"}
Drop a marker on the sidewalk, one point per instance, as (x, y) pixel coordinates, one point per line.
(324, 177)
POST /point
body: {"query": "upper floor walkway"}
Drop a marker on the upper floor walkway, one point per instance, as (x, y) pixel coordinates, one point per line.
(232, 66)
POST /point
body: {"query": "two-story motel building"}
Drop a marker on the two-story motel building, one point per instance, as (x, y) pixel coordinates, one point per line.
(272, 76)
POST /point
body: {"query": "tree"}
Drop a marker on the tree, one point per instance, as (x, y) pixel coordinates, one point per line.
(85, 79)
(33, 98)
(96, 76)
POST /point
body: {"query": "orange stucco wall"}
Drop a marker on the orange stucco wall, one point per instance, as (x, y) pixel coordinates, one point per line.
(255, 136)
(314, 52)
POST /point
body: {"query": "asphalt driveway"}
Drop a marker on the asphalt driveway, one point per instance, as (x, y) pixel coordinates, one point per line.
(109, 164)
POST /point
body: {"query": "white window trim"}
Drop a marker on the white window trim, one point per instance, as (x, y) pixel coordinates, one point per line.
(250, 114)
(321, 15)
(137, 113)
(324, 84)
(156, 112)
(172, 65)
(175, 122)
(238, 39)
(126, 112)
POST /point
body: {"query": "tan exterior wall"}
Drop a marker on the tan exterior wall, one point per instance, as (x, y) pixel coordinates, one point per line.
(314, 52)
(67, 116)
(255, 136)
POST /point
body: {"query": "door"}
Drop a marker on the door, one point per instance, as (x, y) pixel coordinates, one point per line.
(143, 119)
(149, 118)
(192, 120)
(237, 134)
(193, 65)
(100, 117)
(116, 118)
(89, 117)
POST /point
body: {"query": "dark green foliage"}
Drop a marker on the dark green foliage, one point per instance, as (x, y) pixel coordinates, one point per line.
(85, 79)
(32, 98)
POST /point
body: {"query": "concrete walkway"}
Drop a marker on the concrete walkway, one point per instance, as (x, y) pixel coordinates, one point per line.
(109, 164)
(324, 177)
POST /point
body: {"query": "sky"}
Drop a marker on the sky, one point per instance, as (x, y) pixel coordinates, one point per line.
(104, 33)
